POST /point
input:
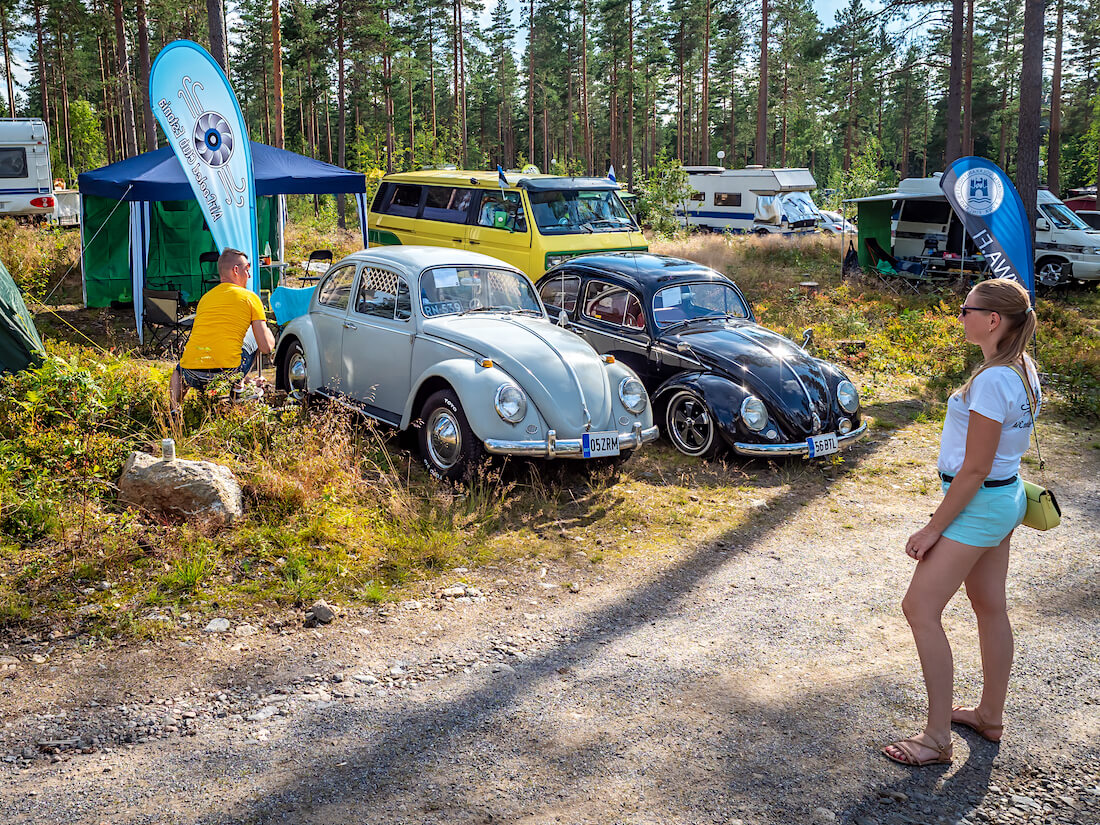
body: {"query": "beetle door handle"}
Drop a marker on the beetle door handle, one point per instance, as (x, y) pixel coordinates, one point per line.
(456, 240)
(472, 241)
(349, 325)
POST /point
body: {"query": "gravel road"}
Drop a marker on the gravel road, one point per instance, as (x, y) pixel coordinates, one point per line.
(751, 678)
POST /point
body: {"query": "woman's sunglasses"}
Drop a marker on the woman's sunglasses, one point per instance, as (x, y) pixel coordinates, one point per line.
(965, 309)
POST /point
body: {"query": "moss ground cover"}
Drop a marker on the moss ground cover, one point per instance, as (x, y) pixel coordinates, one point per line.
(340, 509)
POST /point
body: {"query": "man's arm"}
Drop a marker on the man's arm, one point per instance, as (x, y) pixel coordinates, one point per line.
(264, 339)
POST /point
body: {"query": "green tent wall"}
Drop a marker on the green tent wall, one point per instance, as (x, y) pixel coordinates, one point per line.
(20, 346)
(177, 236)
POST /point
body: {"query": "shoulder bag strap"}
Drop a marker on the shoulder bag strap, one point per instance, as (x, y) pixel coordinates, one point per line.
(1032, 405)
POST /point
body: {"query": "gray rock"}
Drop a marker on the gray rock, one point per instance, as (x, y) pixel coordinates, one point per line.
(366, 678)
(824, 816)
(217, 626)
(265, 712)
(500, 667)
(193, 490)
(322, 612)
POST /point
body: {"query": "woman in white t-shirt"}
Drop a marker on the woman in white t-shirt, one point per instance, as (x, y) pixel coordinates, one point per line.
(985, 433)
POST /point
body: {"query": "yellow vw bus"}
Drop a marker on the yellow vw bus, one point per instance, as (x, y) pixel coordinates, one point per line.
(534, 223)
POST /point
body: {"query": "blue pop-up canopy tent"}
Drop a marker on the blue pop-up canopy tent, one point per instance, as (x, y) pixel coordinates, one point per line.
(161, 235)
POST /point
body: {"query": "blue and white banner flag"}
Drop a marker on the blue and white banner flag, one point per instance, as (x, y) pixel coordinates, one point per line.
(994, 216)
(611, 173)
(196, 108)
(501, 179)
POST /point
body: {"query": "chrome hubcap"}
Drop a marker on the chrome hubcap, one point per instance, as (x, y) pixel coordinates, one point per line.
(296, 372)
(444, 439)
(690, 425)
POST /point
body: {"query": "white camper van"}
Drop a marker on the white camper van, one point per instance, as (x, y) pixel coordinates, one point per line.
(753, 199)
(26, 185)
(1065, 246)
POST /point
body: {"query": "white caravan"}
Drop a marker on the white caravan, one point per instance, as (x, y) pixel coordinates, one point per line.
(26, 184)
(753, 199)
(924, 223)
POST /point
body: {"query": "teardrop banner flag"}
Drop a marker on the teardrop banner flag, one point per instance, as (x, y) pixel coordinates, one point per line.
(195, 106)
(994, 216)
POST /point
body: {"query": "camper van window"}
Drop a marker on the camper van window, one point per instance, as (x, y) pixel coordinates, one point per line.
(926, 211)
(501, 210)
(405, 200)
(698, 196)
(576, 211)
(727, 198)
(446, 203)
(13, 163)
(380, 197)
(1061, 217)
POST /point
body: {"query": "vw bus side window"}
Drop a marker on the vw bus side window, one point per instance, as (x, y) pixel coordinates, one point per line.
(336, 289)
(447, 203)
(501, 210)
(405, 200)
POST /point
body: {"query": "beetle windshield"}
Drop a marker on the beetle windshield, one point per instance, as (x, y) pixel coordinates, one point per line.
(575, 211)
(687, 302)
(449, 290)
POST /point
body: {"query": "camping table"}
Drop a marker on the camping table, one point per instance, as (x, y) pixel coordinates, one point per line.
(939, 265)
(275, 268)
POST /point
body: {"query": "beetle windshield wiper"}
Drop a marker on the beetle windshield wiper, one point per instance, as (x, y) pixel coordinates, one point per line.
(715, 317)
(486, 309)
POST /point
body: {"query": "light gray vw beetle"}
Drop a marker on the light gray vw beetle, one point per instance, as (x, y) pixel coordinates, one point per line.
(459, 345)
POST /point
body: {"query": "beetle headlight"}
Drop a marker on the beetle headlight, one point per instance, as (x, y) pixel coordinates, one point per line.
(754, 413)
(632, 394)
(847, 396)
(511, 403)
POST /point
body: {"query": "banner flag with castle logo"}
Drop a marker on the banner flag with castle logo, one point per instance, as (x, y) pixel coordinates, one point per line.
(993, 214)
(195, 106)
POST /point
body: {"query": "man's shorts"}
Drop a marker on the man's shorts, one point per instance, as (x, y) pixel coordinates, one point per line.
(199, 379)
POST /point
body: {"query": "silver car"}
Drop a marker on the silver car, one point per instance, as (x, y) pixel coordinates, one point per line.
(458, 344)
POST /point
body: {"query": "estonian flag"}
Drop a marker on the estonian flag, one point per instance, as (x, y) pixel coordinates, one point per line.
(500, 176)
(611, 174)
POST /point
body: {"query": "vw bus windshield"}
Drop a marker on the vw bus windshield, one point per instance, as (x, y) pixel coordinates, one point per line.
(450, 290)
(571, 212)
(1060, 215)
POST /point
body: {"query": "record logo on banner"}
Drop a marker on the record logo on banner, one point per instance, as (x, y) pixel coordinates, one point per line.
(196, 107)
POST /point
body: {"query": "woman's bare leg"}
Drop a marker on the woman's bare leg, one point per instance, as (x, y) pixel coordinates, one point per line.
(937, 578)
(985, 586)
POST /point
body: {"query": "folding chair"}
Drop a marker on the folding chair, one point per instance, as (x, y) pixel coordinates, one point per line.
(161, 315)
(890, 270)
(317, 265)
(208, 275)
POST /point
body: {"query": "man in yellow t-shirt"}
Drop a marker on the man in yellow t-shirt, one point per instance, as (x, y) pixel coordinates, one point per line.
(223, 318)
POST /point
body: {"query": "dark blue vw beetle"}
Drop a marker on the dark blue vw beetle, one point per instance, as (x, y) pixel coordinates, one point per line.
(716, 377)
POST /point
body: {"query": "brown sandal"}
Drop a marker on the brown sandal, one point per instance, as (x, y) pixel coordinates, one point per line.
(979, 726)
(909, 752)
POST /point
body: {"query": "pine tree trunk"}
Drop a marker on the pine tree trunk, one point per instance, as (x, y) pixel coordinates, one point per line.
(267, 91)
(630, 96)
(387, 90)
(43, 86)
(148, 122)
(341, 112)
(704, 106)
(762, 94)
(953, 145)
(903, 166)
(462, 84)
(1054, 146)
(584, 89)
(531, 81)
(65, 98)
(431, 71)
(786, 92)
(1002, 153)
(277, 73)
(108, 117)
(1031, 89)
(968, 84)
(126, 98)
(680, 143)
(215, 18)
(7, 57)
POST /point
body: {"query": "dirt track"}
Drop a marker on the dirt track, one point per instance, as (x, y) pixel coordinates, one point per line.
(750, 678)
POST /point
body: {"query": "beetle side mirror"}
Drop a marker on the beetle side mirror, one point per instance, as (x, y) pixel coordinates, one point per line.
(683, 348)
(563, 318)
(807, 337)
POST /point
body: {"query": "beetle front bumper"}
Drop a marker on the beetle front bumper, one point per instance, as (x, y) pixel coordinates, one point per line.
(797, 448)
(554, 447)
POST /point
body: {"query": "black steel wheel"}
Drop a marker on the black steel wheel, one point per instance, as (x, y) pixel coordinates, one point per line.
(690, 426)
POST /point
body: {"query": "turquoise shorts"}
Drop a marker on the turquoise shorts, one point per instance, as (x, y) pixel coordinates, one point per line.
(992, 514)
